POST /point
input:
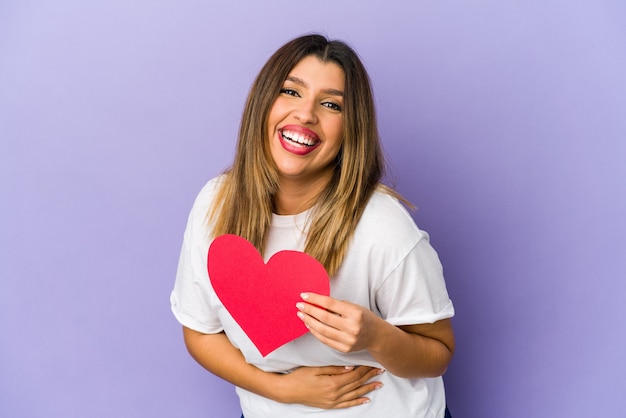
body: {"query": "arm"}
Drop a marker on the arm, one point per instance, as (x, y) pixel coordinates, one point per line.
(423, 350)
(322, 387)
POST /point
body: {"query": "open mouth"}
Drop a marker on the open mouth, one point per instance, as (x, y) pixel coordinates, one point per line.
(298, 139)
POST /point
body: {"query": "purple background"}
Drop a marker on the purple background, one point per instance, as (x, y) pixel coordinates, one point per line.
(504, 122)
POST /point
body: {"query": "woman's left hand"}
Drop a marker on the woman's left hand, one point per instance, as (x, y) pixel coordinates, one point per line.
(341, 325)
(412, 351)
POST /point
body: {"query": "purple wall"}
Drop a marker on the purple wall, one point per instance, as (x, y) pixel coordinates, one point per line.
(503, 121)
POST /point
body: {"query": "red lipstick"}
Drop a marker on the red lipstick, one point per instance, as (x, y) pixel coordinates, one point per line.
(298, 140)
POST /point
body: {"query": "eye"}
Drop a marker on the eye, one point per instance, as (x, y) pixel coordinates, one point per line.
(332, 106)
(290, 92)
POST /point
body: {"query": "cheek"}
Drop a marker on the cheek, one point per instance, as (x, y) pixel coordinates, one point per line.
(272, 115)
(338, 133)
(271, 118)
(278, 109)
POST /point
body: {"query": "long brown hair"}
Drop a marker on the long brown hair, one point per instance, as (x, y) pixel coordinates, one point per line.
(245, 200)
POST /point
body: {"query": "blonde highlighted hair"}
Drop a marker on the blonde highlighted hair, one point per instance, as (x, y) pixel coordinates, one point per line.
(245, 201)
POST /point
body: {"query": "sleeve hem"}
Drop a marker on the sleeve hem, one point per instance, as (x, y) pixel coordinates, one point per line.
(188, 321)
(445, 313)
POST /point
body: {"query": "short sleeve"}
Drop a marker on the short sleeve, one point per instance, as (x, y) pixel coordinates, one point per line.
(191, 298)
(415, 291)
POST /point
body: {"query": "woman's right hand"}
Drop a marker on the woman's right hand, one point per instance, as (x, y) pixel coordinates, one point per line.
(322, 387)
(330, 387)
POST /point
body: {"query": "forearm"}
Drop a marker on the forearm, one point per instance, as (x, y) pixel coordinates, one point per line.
(216, 353)
(406, 352)
(420, 350)
(322, 387)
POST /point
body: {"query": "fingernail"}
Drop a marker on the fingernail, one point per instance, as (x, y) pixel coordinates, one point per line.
(300, 315)
(300, 305)
(365, 401)
(304, 296)
(378, 386)
(349, 367)
(380, 371)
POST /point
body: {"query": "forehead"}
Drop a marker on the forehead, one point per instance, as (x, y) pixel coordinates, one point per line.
(312, 71)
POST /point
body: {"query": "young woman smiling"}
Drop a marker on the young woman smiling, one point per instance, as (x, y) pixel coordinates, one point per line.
(306, 177)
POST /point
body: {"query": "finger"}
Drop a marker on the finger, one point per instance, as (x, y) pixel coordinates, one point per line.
(361, 391)
(328, 335)
(318, 315)
(351, 403)
(334, 370)
(323, 301)
(358, 396)
(357, 378)
(365, 373)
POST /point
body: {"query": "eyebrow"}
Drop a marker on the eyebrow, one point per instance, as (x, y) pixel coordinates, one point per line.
(299, 81)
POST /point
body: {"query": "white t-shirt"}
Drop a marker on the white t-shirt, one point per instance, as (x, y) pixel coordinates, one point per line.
(390, 268)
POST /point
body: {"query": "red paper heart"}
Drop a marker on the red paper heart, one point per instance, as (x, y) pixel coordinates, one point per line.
(261, 297)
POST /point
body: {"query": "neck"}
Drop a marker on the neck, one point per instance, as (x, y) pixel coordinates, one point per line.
(294, 196)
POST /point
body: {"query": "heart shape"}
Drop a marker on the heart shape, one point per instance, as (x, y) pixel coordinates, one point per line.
(261, 297)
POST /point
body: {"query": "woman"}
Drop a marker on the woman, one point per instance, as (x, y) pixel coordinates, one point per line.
(306, 177)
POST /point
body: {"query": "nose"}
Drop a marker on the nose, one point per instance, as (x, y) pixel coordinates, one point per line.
(305, 112)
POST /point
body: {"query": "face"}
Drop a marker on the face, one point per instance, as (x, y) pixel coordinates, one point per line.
(305, 122)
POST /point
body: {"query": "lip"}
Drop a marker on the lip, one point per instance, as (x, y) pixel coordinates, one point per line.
(289, 146)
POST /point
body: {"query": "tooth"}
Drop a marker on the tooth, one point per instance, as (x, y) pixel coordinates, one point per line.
(298, 138)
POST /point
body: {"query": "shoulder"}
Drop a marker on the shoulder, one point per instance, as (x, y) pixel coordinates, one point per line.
(386, 219)
(207, 195)
(384, 239)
